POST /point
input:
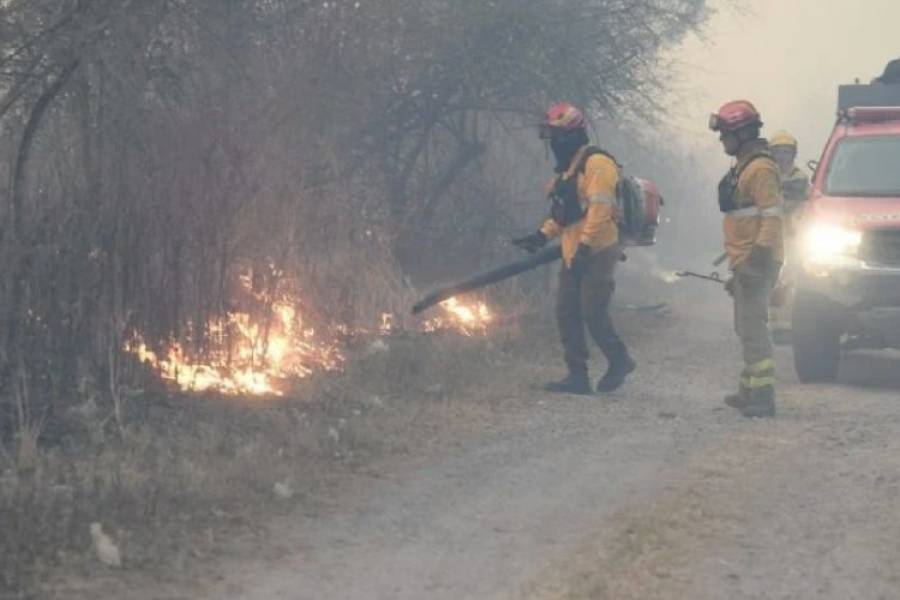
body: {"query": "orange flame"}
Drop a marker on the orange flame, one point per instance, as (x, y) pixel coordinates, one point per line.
(468, 319)
(261, 355)
(257, 357)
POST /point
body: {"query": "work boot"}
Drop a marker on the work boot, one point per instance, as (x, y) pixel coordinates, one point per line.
(619, 368)
(760, 402)
(576, 382)
(781, 336)
(738, 399)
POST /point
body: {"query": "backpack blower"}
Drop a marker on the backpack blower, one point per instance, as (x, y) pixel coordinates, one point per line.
(638, 202)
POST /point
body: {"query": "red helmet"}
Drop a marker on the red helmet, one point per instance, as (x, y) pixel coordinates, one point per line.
(735, 115)
(562, 116)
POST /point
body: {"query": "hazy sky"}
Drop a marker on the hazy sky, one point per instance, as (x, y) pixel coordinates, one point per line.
(787, 56)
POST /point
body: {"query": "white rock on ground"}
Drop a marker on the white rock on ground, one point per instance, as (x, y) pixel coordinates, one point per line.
(106, 549)
(283, 490)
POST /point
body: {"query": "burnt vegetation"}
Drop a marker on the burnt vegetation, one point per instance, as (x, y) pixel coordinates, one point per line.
(151, 150)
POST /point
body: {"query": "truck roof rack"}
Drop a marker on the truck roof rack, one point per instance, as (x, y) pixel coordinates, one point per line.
(870, 114)
(876, 94)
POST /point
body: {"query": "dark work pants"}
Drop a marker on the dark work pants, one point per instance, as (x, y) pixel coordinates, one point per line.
(585, 301)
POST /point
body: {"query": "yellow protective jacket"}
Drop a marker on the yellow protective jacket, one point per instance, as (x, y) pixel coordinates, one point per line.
(757, 220)
(597, 194)
(795, 186)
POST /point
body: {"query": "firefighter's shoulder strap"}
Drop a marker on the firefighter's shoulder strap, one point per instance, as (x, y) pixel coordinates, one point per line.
(740, 168)
(593, 151)
(728, 201)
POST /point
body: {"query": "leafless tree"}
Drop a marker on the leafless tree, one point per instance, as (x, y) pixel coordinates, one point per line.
(151, 148)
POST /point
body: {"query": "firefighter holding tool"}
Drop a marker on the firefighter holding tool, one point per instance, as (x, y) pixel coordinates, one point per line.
(750, 198)
(583, 216)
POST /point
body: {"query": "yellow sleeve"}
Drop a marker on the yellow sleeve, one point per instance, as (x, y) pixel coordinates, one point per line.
(601, 175)
(765, 189)
(796, 188)
(550, 228)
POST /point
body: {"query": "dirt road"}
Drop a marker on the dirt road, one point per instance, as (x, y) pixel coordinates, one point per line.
(658, 492)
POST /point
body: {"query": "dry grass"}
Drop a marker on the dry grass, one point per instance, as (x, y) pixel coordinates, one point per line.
(188, 471)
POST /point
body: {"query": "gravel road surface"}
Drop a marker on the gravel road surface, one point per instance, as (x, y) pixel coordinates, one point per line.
(658, 491)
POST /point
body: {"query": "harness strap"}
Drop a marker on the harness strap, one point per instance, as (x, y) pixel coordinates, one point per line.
(591, 151)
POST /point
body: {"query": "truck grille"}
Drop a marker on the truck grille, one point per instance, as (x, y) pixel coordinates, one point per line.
(881, 248)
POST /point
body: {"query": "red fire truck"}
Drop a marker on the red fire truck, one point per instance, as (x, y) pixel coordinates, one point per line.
(848, 285)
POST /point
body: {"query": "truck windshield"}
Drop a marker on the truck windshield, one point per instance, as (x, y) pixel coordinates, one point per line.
(865, 166)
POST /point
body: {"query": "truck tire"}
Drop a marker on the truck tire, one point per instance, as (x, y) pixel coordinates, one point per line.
(817, 330)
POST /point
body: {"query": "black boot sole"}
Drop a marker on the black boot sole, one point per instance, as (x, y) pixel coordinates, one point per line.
(735, 401)
(605, 388)
(758, 411)
(569, 392)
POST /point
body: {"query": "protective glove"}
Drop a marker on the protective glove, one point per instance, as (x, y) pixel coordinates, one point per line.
(531, 243)
(579, 264)
(729, 286)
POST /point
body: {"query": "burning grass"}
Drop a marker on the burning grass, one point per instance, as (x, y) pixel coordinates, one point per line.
(470, 319)
(194, 456)
(190, 471)
(247, 356)
(259, 356)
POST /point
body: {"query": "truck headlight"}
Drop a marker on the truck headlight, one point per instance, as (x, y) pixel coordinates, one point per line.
(830, 245)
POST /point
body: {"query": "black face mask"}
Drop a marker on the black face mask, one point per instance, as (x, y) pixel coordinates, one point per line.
(565, 145)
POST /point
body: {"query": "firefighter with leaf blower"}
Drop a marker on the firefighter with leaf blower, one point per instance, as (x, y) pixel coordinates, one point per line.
(583, 216)
(751, 200)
